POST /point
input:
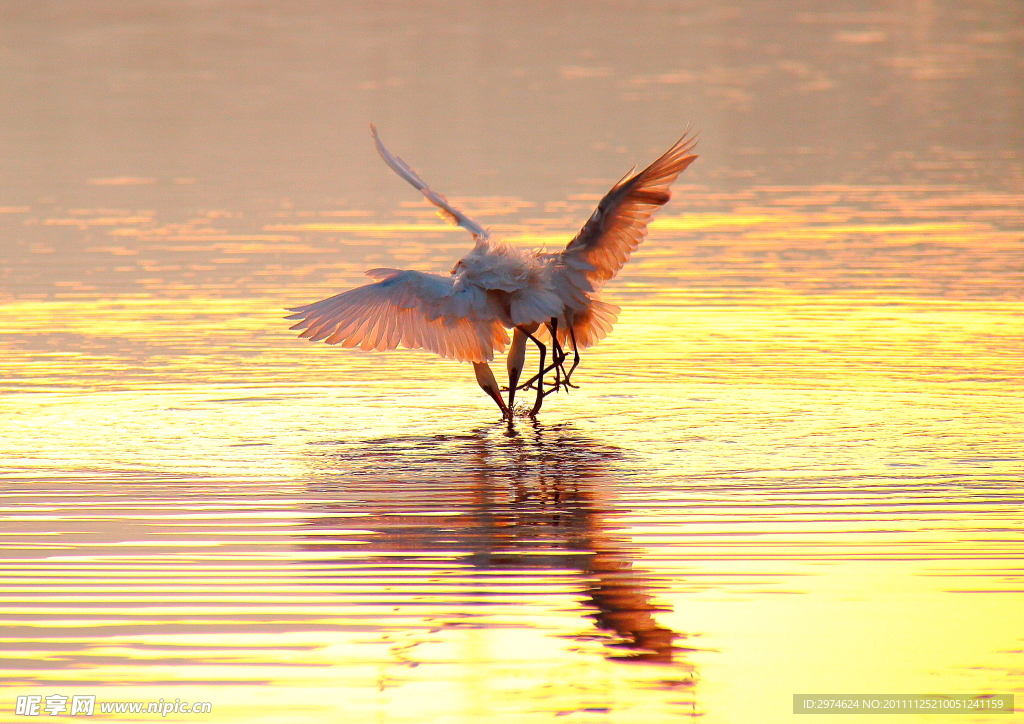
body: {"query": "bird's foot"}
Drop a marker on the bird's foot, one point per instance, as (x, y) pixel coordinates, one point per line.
(567, 383)
(551, 388)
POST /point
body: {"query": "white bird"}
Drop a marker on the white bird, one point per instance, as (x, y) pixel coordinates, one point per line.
(496, 286)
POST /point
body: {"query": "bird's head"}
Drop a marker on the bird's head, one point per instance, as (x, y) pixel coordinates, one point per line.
(458, 267)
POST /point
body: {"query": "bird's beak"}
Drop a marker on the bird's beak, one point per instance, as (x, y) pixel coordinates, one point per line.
(485, 378)
(516, 360)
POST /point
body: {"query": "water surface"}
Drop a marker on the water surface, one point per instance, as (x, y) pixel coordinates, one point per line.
(794, 467)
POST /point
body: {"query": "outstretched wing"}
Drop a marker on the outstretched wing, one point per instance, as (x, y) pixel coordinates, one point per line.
(619, 223)
(450, 212)
(408, 308)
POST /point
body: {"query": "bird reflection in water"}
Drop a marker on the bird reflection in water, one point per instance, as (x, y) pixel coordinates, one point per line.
(501, 499)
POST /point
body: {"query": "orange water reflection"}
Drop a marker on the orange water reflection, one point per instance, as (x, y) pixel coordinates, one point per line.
(948, 243)
(748, 495)
(795, 465)
(523, 501)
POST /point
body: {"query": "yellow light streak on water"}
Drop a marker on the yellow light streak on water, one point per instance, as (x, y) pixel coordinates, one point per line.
(795, 466)
(797, 456)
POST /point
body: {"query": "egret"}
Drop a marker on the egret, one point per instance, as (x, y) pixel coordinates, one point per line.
(497, 287)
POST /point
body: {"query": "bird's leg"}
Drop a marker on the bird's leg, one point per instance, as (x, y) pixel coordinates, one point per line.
(557, 355)
(485, 378)
(540, 376)
(532, 382)
(575, 360)
(562, 356)
(516, 360)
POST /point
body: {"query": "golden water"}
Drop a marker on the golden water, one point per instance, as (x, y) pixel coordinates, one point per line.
(794, 467)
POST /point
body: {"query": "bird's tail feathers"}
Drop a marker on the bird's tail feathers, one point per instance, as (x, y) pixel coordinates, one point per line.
(591, 326)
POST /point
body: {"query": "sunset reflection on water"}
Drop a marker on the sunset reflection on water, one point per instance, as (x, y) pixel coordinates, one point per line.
(793, 467)
(805, 428)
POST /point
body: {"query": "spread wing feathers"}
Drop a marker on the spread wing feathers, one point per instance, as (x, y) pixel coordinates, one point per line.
(619, 223)
(408, 308)
(589, 326)
(447, 210)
